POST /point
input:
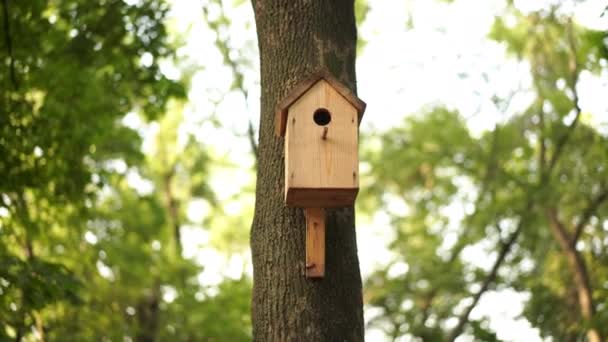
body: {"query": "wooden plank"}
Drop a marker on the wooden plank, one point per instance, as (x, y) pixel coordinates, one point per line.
(316, 163)
(315, 242)
(326, 198)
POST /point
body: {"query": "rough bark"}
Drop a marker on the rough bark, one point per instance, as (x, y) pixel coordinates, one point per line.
(295, 39)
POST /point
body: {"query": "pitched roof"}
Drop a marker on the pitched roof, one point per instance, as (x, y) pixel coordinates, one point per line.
(280, 119)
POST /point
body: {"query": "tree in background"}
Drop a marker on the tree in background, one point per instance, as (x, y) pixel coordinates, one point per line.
(71, 71)
(297, 38)
(532, 193)
(84, 254)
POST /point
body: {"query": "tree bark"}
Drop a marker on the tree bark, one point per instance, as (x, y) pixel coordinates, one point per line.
(296, 38)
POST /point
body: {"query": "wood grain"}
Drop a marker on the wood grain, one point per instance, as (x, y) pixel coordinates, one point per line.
(315, 242)
(318, 164)
(326, 198)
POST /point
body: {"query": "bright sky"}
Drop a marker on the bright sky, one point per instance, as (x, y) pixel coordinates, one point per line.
(444, 58)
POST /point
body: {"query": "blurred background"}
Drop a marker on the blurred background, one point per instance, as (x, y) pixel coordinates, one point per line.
(128, 141)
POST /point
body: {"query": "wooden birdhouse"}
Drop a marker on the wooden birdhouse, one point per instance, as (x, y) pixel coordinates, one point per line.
(320, 120)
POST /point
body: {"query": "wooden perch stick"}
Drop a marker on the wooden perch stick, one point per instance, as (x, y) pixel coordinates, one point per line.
(315, 242)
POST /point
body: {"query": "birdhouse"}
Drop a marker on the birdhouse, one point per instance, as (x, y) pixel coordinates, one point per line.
(320, 120)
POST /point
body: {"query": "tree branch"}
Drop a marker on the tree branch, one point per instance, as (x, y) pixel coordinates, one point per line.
(238, 83)
(504, 251)
(490, 172)
(578, 268)
(173, 211)
(542, 158)
(563, 235)
(574, 71)
(595, 203)
(562, 142)
(252, 142)
(9, 44)
(559, 230)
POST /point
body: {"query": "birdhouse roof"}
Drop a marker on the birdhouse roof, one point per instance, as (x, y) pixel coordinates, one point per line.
(301, 88)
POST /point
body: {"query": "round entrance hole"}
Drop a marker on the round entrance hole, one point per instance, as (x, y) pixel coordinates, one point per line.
(321, 117)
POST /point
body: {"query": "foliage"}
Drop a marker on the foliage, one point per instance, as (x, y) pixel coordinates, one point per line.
(85, 254)
(495, 192)
(88, 254)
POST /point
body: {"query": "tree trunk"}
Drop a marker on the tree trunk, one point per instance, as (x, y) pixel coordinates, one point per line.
(173, 212)
(296, 38)
(148, 315)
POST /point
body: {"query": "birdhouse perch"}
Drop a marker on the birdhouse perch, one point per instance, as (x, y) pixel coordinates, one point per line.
(320, 120)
